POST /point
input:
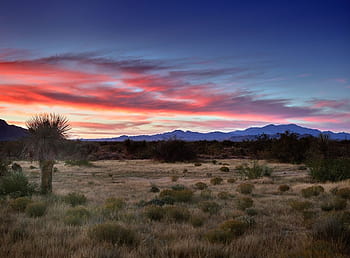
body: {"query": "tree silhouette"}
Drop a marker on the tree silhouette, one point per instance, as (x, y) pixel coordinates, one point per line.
(46, 134)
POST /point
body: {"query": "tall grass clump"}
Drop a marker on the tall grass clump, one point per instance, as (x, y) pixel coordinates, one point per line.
(76, 216)
(183, 195)
(245, 188)
(311, 191)
(75, 199)
(20, 203)
(254, 170)
(330, 169)
(36, 209)
(112, 233)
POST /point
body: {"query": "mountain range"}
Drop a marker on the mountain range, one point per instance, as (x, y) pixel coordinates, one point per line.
(12, 132)
(238, 135)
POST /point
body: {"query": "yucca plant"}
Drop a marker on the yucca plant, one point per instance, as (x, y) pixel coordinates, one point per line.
(46, 133)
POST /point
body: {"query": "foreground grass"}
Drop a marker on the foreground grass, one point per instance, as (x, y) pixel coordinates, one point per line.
(217, 221)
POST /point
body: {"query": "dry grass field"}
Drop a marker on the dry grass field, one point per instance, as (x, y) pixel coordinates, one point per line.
(217, 221)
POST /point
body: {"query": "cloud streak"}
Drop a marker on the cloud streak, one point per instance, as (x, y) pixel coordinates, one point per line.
(87, 83)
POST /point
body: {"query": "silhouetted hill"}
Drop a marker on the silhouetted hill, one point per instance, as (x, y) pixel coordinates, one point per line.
(11, 132)
(239, 135)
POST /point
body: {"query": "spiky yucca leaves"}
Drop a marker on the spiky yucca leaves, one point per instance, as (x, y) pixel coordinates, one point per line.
(46, 133)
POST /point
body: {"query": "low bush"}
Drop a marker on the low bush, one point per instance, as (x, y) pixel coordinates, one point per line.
(216, 180)
(112, 233)
(16, 167)
(4, 167)
(224, 169)
(155, 213)
(245, 188)
(231, 180)
(330, 169)
(209, 207)
(253, 171)
(200, 185)
(235, 227)
(178, 187)
(283, 188)
(197, 164)
(312, 191)
(174, 178)
(16, 185)
(244, 203)
(224, 195)
(335, 203)
(36, 209)
(251, 211)
(177, 214)
(300, 205)
(114, 204)
(343, 192)
(196, 221)
(20, 203)
(206, 194)
(76, 216)
(75, 199)
(184, 195)
(154, 189)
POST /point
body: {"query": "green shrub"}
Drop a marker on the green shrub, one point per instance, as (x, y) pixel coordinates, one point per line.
(224, 169)
(343, 192)
(200, 185)
(224, 195)
(112, 233)
(20, 203)
(283, 188)
(227, 231)
(76, 216)
(197, 164)
(254, 171)
(312, 191)
(178, 187)
(154, 189)
(32, 167)
(36, 209)
(216, 180)
(16, 167)
(16, 185)
(336, 203)
(196, 221)
(155, 213)
(79, 163)
(300, 205)
(4, 167)
(231, 180)
(245, 188)
(114, 204)
(206, 194)
(244, 203)
(177, 214)
(174, 178)
(251, 211)
(184, 195)
(209, 207)
(235, 227)
(75, 199)
(330, 169)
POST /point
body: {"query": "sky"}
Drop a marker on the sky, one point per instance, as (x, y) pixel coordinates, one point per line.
(128, 67)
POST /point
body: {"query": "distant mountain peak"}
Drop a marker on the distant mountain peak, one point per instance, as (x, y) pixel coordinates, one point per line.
(10, 132)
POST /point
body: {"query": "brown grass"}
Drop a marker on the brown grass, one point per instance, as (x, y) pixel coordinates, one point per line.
(279, 231)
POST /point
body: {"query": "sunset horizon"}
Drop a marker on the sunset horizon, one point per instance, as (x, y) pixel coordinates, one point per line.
(133, 68)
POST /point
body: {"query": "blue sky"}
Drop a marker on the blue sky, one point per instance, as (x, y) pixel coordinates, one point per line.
(261, 61)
